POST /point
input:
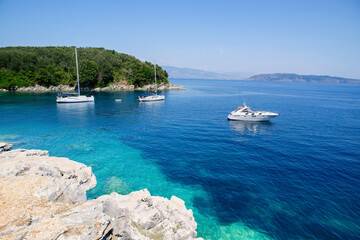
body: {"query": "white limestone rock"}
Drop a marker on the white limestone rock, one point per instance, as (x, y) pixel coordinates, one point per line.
(5, 147)
(38, 88)
(69, 180)
(121, 86)
(44, 197)
(161, 86)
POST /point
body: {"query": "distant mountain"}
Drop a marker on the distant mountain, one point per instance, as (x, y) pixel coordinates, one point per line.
(189, 73)
(291, 77)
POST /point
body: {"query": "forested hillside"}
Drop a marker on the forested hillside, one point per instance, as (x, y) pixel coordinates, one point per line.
(51, 66)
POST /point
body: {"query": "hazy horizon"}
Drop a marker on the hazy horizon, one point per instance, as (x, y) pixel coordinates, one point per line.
(191, 73)
(307, 38)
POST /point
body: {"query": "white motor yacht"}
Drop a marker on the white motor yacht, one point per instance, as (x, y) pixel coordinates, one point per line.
(74, 97)
(245, 113)
(152, 96)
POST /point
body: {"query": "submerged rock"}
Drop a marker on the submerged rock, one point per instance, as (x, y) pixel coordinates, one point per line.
(44, 197)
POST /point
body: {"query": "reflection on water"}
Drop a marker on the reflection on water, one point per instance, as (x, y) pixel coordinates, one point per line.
(254, 128)
(75, 112)
(152, 103)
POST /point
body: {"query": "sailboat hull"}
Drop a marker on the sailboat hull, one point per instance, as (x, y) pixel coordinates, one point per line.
(75, 99)
(152, 98)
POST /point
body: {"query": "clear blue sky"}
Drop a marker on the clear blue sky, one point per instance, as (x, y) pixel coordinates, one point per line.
(259, 36)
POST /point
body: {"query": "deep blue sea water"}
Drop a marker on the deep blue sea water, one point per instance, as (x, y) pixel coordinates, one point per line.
(296, 177)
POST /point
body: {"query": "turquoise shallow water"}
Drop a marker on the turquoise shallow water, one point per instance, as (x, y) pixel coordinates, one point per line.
(296, 177)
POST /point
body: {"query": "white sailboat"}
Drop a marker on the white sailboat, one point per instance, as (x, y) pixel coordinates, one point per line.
(74, 97)
(149, 97)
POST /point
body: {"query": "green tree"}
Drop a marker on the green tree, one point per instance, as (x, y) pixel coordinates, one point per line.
(43, 77)
(48, 66)
(88, 73)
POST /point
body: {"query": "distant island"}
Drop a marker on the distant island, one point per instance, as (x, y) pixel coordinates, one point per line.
(52, 66)
(291, 77)
(190, 73)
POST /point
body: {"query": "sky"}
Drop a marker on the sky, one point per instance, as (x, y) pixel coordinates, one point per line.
(259, 36)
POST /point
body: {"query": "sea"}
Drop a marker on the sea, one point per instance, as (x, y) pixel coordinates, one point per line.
(296, 177)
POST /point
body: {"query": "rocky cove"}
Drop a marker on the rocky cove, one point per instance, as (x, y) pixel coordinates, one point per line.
(113, 87)
(44, 197)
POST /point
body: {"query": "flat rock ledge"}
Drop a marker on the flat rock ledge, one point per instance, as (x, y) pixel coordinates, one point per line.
(149, 87)
(113, 87)
(38, 88)
(160, 87)
(43, 197)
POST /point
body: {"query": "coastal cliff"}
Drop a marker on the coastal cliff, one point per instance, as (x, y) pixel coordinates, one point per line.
(44, 197)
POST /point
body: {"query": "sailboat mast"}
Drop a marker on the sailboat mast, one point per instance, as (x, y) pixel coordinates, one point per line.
(77, 72)
(155, 80)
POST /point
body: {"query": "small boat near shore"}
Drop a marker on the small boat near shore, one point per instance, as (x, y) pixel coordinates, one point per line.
(151, 96)
(245, 113)
(74, 97)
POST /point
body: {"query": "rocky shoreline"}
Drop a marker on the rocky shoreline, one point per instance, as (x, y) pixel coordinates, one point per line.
(113, 87)
(44, 197)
